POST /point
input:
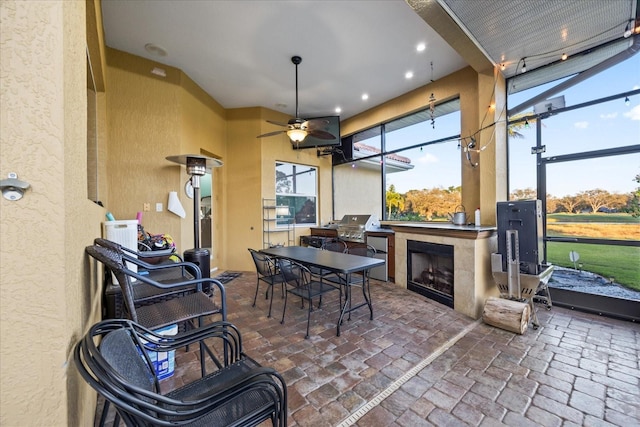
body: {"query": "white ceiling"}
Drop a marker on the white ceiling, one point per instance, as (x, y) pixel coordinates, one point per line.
(240, 51)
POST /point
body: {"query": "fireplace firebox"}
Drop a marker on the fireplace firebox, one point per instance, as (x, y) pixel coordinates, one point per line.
(430, 270)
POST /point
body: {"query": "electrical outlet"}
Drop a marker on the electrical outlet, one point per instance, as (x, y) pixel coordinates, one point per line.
(158, 207)
(146, 207)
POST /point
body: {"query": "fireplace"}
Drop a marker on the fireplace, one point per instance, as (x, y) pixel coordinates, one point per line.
(430, 270)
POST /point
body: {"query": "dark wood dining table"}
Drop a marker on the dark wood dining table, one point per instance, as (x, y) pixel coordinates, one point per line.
(344, 265)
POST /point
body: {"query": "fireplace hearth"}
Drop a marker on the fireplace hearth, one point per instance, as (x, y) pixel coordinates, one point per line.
(430, 271)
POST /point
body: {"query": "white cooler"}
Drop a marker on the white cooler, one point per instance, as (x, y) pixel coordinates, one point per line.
(125, 233)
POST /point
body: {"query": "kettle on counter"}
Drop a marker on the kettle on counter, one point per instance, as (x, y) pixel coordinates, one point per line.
(459, 217)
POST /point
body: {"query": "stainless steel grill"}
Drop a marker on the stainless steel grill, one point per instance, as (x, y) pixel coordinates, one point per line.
(352, 228)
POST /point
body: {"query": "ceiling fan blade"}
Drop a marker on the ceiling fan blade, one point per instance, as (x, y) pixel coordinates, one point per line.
(271, 133)
(320, 134)
(277, 123)
(317, 123)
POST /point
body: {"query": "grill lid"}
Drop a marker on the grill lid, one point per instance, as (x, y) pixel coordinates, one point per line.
(368, 221)
(353, 227)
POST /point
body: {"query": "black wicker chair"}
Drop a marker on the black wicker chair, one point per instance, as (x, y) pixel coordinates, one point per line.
(240, 393)
(190, 308)
(167, 273)
(299, 281)
(267, 271)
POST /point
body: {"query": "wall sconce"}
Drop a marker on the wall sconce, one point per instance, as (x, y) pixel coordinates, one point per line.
(12, 188)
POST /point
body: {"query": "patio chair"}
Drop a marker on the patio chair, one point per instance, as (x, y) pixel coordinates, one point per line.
(267, 271)
(357, 279)
(164, 272)
(119, 368)
(299, 281)
(335, 245)
(188, 308)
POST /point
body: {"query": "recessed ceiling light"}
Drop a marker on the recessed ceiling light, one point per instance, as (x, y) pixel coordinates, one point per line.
(338, 110)
(365, 96)
(408, 75)
(159, 72)
(421, 47)
(155, 50)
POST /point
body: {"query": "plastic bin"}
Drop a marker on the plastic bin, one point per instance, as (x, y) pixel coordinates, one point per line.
(163, 361)
(125, 233)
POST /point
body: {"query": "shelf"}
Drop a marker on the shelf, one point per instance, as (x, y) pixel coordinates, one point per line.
(270, 229)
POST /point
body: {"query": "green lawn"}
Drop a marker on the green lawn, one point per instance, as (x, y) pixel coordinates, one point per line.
(620, 218)
(620, 262)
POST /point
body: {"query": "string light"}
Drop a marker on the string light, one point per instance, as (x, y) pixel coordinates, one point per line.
(627, 102)
(524, 66)
(564, 56)
(503, 66)
(526, 124)
(432, 109)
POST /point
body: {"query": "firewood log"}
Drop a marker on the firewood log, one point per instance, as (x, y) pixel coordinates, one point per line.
(506, 314)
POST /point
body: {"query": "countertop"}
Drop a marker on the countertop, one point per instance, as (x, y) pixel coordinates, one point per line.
(443, 226)
(445, 229)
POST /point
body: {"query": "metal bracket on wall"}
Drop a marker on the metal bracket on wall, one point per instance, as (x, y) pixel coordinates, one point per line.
(12, 188)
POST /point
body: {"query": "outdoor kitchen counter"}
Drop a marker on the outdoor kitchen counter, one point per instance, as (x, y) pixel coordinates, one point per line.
(472, 249)
(444, 229)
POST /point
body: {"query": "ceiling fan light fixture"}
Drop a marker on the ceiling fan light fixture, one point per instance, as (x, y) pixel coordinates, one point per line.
(296, 135)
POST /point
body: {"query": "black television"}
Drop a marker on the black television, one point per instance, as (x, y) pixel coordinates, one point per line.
(322, 132)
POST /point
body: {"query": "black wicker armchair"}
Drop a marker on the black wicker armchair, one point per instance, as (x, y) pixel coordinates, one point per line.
(239, 393)
(188, 308)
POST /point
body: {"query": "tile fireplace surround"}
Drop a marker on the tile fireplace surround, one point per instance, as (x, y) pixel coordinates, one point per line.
(472, 248)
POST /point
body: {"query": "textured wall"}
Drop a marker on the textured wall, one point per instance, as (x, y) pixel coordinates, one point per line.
(250, 172)
(150, 118)
(44, 299)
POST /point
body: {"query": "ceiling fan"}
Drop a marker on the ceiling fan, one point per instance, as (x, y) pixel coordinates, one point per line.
(298, 129)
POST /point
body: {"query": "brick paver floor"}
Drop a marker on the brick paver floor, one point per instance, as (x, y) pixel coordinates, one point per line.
(419, 363)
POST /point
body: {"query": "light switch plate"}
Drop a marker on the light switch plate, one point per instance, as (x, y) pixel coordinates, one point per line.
(158, 207)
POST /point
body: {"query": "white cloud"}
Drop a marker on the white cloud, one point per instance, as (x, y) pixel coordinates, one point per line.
(428, 158)
(581, 125)
(634, 114)
(609, 116)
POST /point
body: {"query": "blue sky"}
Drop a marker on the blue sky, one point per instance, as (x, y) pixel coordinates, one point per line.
(603, 126)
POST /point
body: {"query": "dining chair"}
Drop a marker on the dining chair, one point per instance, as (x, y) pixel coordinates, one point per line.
(113, 358)
(299, 281)
(267, 271)
(335, 245)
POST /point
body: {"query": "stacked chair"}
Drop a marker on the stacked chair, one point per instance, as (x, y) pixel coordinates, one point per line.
(237, 392)
(112, 358)
(168, 272)
(189, 306)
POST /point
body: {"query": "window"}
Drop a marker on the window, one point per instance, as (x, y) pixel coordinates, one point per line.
(586, 173)
(296, 194)
(407, 169)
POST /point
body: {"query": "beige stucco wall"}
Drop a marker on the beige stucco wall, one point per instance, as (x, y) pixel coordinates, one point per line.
(251, 178)
(357, 190)
(45, 295)
(149, 118)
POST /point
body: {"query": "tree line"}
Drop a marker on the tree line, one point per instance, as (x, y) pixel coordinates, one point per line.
(438, 203)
